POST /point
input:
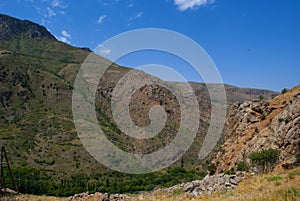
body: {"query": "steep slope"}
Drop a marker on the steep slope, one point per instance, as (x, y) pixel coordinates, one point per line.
(37, 74)
(257, 125)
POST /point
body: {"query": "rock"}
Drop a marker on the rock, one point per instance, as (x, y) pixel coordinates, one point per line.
(227, 184)
(239, 179)
(233, 181)
(188, 187)
(196, 192)
(9, 191)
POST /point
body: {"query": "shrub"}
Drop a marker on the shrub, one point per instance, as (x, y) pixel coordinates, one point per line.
(265, 160)
(241, 166)
(229, 172)
(211, 168)
(283, 91)
(286, 120)
(298, 158)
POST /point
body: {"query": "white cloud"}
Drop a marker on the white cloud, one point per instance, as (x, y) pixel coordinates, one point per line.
(63, 39)
(103, 50)
(50, 12)
(101, 19)
(50, 9)
(65, 34)
(59, 4)
(137, 16)
(190, 4)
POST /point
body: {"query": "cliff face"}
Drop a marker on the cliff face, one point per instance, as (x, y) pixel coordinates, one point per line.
(257, 125)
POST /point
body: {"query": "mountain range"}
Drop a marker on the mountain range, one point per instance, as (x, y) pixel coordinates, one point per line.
(37, 74)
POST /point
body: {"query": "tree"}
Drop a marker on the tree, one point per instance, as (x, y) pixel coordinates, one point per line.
(265, 160)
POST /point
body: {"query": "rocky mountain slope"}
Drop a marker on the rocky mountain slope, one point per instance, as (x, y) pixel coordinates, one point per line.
(37, 74)
(258, 125)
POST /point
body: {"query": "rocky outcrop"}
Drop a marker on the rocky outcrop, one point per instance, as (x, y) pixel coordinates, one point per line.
(257, 125)
(210, 184)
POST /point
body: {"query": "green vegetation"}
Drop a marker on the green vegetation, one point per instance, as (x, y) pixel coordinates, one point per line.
(274, 178)
(265, 160)
(298, 158)
(293, 173)
(39, 182)
(229, 172)
(291, 193)
(44, 162)
(241, 166)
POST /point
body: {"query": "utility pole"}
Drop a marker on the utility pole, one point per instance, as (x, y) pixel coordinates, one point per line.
(5, 164)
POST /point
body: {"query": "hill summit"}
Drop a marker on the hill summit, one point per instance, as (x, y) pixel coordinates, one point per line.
(12, 27)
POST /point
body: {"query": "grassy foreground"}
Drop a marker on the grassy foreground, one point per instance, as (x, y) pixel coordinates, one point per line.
(276, 186)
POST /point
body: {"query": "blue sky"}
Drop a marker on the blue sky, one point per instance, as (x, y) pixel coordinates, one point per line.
(254, 43)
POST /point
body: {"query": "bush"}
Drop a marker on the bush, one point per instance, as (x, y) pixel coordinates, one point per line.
(211, 168)
(298, 158)
(241, 166)
(283, 91)
(265, 160)
(229, 172)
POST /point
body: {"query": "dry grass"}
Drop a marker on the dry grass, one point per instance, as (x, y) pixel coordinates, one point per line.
(275, 186)
(31, 198)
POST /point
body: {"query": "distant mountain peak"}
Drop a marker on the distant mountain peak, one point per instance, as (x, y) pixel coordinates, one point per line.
(12, 27)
